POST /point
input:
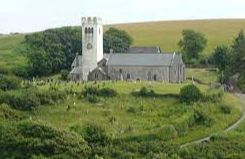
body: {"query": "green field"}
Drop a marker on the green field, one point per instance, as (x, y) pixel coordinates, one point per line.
(166, 34)
(11, 56)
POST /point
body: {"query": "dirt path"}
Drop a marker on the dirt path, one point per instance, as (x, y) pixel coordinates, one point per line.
(230, 128)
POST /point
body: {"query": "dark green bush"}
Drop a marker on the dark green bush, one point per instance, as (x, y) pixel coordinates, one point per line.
(107, 92)
(50, 96)
(190, 94)
(26, 140)
(132, 110)
(24, 100)
(145, 92)
(92, 98)
(90, 90)
(225, 109)
(29, 99)
(201, 118)
(64, 75)
(95, 135)
(92, 93)
(6, 113)
(167, 132)
(9, 83)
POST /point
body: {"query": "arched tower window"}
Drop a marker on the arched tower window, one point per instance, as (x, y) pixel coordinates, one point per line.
(128, 76)
(149, 75)
(155, 77)
(86, 30)
(120, 71)
(92, 30)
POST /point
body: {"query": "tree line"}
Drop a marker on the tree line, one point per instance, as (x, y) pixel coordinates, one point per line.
(53, 50)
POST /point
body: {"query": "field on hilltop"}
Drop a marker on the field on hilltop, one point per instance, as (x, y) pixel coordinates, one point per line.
(166, 34)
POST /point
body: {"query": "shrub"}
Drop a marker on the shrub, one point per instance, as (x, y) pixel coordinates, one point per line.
(183, 124)
(201, 118)
(225, 109)
(91, 90)
(7, 113)
(132, 110)
(24, 100)
(92, 98)
(9, 83)
(29, 99)
(190, 94)
(95, 135)
(50, 96)
(64, 75)
(27, 139)
(107, 92)
(144, 92)
(167, 132)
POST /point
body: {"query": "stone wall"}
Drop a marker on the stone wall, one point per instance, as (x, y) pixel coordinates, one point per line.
(139, 73)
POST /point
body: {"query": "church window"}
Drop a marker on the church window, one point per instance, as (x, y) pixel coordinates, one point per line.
(128, 76)
(155, 77)
(96, 76)
(86, 30)
(149, 76)
(92, 30)
(120, 70)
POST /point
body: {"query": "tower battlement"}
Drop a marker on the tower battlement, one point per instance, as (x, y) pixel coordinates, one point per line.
(91, 20)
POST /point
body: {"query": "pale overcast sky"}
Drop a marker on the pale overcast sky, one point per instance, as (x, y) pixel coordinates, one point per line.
(36, 15)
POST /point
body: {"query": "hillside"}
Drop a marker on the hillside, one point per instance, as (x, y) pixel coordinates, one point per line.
(166, 34)
(11, 57)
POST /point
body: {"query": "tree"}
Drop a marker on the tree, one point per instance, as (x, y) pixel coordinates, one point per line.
(221, 57)
(238, 55)
(117, 40)
(237, 65)
(192, 44)
(52, 50)
(190, 94)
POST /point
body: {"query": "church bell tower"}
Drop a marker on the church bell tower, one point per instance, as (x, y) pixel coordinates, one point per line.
(92, 44)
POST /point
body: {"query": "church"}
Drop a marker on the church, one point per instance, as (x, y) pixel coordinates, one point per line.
(140, 63)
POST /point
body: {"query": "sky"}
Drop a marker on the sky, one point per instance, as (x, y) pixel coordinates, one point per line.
(36, 15)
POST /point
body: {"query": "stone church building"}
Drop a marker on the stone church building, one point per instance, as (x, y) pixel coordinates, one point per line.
(140, 63)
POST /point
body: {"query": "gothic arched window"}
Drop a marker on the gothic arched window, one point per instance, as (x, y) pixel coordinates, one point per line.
(155, 77)
(149, 75)
(120, 71)
(86, 30)
(128, 76)
(92, 30)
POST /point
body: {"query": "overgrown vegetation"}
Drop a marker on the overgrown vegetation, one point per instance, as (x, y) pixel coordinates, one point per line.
(35, 140)
(190, 94)
(29, 99)
(92, 93)
(9, 82)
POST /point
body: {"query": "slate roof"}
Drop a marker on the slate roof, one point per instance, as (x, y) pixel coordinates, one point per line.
(143, 59)
(138, 49)
(76, 70)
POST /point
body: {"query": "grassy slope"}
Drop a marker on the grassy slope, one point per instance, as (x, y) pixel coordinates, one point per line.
(10, 55)
(166, 34)
(149, 117)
